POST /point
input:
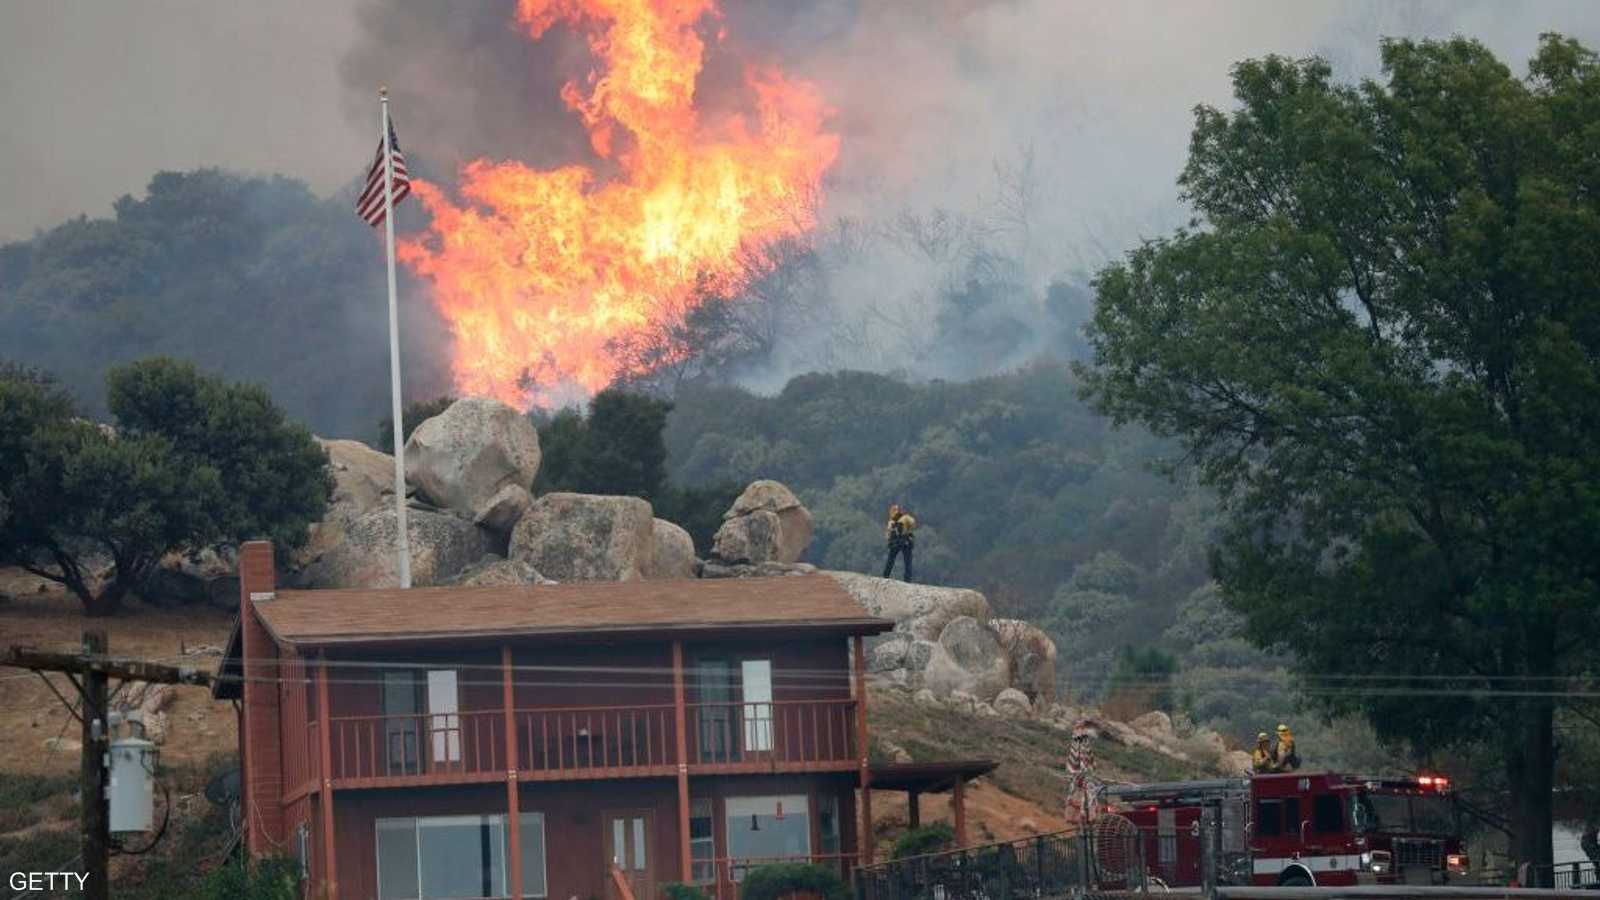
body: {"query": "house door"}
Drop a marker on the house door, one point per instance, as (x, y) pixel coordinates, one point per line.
(630, 847)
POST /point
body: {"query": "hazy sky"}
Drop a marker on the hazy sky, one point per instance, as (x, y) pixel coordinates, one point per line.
(99, 95)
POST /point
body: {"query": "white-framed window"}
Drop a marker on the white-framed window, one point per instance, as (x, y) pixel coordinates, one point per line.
(763, 829)
(756, 684)
(444, 723)
(456, 857)
(702, 840)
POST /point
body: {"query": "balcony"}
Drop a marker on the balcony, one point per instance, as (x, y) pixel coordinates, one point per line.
(572, 743)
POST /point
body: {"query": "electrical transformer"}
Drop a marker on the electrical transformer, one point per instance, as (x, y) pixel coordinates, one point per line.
(131, 789)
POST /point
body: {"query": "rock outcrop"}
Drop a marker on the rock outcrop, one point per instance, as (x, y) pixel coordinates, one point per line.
(968, 657)
(442, 546)
(363, 480)
(1013, 704)
(920, 610)
(766, 523)
(586, 537)
(498, 571)
(752, 538)
(501, 512)
(476, 459)
(673, 553)
(362, 476)
(1033, 658)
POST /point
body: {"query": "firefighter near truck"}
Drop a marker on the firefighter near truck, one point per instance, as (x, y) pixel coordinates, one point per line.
(1296, 829)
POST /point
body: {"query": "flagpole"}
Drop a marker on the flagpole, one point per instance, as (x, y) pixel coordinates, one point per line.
(403, 541)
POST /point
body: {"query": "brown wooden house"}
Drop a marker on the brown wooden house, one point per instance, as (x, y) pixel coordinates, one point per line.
(521, 741)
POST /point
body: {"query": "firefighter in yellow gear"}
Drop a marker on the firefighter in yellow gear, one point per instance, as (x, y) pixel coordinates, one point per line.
(1261, 760)
(900, 534)
(1288, 760)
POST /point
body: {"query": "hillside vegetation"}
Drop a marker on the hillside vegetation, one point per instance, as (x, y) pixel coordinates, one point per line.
(254, 278)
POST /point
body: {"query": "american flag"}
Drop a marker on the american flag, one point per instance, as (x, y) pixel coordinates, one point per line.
(370, 204)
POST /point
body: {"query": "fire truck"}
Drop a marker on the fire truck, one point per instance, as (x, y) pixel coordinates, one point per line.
(1296, 828)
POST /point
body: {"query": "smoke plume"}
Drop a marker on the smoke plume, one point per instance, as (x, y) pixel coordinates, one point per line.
(993, 152)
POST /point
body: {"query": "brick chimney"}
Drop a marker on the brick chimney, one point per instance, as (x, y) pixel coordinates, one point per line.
(260, 744)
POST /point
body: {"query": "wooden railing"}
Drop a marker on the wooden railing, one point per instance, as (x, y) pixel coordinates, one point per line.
(417, 746)
(784, 731)
(584, 742)
(596, 738)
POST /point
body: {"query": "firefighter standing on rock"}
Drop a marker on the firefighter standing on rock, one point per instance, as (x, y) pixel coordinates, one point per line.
(901, 535)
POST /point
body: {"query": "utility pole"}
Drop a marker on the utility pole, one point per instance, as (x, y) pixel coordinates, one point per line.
(96, 834)
(90, 672)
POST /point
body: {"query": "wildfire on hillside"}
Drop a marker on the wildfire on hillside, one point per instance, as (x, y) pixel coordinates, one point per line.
(536, 272)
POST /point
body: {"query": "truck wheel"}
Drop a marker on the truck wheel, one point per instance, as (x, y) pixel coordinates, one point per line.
(1295, 879)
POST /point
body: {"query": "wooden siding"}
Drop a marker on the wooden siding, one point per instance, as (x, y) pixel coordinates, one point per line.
(573, 820)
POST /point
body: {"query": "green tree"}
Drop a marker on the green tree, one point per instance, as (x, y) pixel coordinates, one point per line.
(274, 473)
(193, 461)
(83, 501)
(617, 449)
(1379, 342)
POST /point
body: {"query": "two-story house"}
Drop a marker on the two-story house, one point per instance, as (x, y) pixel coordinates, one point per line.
(523, 741)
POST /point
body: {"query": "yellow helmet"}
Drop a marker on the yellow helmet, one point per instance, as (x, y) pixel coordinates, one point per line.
(1262, 737)
(1283, 729)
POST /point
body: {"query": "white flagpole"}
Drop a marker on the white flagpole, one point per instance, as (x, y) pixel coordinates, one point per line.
(404, 539)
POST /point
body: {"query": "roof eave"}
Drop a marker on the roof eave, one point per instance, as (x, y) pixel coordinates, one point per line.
(863, 626)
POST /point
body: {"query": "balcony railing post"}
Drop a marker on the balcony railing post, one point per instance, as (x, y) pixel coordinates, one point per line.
(329, 868)
(680, 718)
(861, 750)
(513, 800)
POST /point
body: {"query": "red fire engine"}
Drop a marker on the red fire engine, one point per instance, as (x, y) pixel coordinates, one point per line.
(1297, 829)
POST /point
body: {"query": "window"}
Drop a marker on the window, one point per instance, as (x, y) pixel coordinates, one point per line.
(1327, 814)
(767, 828)
(1269, 818)
(715, 709)
(456, 857)
(702, 841)
(461, 856)
(1421, 814)
(756, 675)
(400, 726)
(444, 724)
(828, 824)
(628, 844)
(1291, 816)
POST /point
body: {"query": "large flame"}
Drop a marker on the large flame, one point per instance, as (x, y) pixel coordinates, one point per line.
(537, 271)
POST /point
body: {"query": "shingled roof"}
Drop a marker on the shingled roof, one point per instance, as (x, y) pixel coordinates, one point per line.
(637, 608)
